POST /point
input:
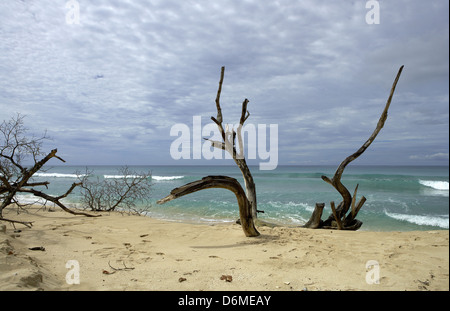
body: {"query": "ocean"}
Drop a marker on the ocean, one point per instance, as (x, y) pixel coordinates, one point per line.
(399, 198)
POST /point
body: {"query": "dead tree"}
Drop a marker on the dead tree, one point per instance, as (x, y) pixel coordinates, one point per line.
(15, 177)
(338, 219)
(228, 144)
(224, 182)
(247, 199)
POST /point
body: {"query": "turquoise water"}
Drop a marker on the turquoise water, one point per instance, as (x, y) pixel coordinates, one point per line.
(398, 198)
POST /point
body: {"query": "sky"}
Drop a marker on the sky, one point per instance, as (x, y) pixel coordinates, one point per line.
(109, 79)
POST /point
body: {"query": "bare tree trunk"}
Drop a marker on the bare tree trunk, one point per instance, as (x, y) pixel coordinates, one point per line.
(229, 144)
(225, 182)
(246, 200)
(250, 187)
(339, 219)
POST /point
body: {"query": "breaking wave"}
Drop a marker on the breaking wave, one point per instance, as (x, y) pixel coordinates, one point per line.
(120, 176)
(57, 175)
(167, 177)
(436, 221)
(435, 184)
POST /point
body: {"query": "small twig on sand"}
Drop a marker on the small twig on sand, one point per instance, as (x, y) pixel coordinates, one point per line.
(120, 269)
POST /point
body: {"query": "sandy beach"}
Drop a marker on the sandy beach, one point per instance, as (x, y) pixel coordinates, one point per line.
(123, 252)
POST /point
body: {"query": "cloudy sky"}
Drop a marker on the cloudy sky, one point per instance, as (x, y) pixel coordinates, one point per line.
(109, 89)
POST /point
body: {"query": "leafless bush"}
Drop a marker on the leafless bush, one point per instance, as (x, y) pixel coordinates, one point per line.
(127, 191)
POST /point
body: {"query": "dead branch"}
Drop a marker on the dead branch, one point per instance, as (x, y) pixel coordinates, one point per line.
(336, 180)
(339, 214)
(338, 219)
(229, 144)
(118, 193)
(315, 220)
(28, 224)
(120, 269)
(219, 182)
(247, 199)
(218, 120)
(56, 200)
(15, 147)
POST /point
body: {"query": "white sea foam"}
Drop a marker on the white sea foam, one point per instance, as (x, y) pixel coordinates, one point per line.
(296, 219)
(120, 176)
(278, 204)
(33, 200)
(57, 175)
(435, 221)
(167, 177)
(29, 199)
(435, 184)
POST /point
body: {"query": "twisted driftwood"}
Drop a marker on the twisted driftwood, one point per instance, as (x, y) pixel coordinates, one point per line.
(225, 182)
(338, 219)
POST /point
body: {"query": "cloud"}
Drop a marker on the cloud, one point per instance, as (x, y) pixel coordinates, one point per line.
(437, 156)
(315, 68)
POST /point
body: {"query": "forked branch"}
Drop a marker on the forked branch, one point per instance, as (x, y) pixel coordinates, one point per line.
(336, 180)
(247, 199)
(349, 222)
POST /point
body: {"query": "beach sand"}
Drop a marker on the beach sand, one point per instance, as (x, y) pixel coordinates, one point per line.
(122, 252)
